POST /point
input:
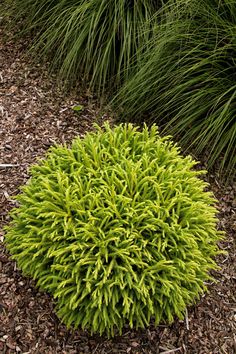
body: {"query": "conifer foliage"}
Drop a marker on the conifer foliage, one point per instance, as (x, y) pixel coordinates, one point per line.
(118, 227)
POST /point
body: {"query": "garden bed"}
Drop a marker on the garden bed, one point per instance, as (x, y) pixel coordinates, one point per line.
(35, 114)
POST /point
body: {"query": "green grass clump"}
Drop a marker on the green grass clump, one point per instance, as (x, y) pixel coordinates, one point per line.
(186, 82)
(119, 228)
(93, 39)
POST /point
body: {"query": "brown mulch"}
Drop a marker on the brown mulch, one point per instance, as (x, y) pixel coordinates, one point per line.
(34, 114)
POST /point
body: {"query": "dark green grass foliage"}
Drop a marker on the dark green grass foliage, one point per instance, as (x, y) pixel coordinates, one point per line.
(119, 228)
(186, 81)
(94, 39)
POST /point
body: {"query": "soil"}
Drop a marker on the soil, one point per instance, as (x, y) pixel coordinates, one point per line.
(35, 114)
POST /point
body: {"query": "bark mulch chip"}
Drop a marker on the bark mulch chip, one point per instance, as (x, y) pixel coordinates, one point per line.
(35, 114)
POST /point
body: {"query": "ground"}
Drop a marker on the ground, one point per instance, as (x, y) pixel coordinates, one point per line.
(34, 114)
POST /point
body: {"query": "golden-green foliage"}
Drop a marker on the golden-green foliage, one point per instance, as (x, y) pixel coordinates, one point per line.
(119, 228)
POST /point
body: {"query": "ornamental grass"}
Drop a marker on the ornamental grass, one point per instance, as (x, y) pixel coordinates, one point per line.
(94, 40)
(185, 82)
(118, 228)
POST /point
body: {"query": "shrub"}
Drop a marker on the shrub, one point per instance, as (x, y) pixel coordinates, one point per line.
(186, 82)
(95, 39)
(118, 228)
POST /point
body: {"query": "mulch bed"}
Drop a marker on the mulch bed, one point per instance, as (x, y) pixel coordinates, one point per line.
(35, 114)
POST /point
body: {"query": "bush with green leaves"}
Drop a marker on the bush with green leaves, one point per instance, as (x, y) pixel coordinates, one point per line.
(118, 228)
(94, 39)
(185, 82)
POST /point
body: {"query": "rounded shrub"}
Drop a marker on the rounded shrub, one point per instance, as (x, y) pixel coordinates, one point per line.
(118, 227)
